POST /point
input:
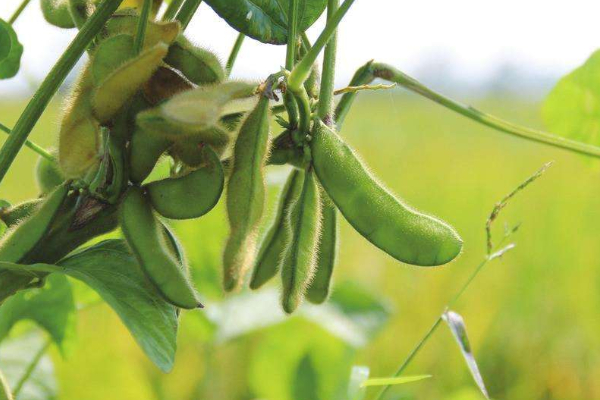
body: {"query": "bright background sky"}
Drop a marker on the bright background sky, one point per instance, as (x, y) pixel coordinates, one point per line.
(470, 40)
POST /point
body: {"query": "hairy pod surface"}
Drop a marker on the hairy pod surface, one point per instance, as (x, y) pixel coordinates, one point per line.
(23, 238)
(12, 215)
(146, 149)
(48, 175)
(164, 84)
(81, 10)
(125, 81)
(191, 195)
(383, 219)
(56, 12)
(303, 225)
(273, 245)
(110, 54)
(246, 194)
(188, 149)
(197, 64)
(197, 110)
(145, 235)
(126, 22)
(320, 287)
(79, 137)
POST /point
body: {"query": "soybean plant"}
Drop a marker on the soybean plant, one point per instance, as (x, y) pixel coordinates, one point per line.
(149, 95)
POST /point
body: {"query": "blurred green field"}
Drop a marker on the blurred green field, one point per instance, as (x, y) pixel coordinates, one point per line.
(532, 316)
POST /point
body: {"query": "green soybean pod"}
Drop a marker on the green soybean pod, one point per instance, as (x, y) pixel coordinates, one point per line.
(5, 393)
(120, 86)
(197, 64)
(145, 235)
(386, 221)
(56, 12)
(126, 22)
(146, 148)
(273, 245)
(24, 237)
(303, 224)
(191, 195)
(48, 175)
(246, 194)
(109, 55)
(13, 214)
(320, 287)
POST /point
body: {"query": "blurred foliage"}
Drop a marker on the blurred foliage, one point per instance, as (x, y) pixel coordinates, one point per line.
(532, 318)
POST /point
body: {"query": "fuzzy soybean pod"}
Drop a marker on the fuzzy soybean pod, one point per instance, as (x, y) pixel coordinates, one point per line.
(197, 64)
(14, 214)
(246, 194)
(274, 243)
(189, 148)
(109, 55)
(24, 237)
(145, 151)
(320, 287)
(145, 236)
(386, 221)
(79, 137)
(303, 225)
(192, 195)
(48, 175)
(126, 22)
(120, 86)
(56, 12)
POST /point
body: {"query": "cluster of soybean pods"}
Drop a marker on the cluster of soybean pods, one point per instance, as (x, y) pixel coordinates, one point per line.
(140, 101)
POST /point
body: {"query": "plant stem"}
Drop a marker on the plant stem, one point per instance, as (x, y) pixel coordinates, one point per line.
(30, 368)
(302, 70)
(325, 108)
(33, 146)
(362, 76)
(141, 28)
(391, 74)
(234, 53)
(18, 11)
(186, 12)
(171, 10)
(52, 82)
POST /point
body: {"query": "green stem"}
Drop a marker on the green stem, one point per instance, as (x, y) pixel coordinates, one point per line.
(234, 53)
(325, 108)
(33, 146)
(290, 56)
(141, 28)
(171, 10)
(52, 82)
(393, 75)
(18, 11)
(302, 70)
(186, 12)
(362, 76)
(30, 368)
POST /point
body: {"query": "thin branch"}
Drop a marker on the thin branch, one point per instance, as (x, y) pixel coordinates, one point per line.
(18, 11)
(32, 145)
(354, 89)
(186, 12)
(31, 368)
(141, 28)
(234, 53)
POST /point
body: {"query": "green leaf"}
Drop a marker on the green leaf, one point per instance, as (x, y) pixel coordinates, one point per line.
(23, 359)
(457, 326)
(266, 20)
(51, 307)
(111, 270)
(306, 383)
(10, 51)
(358, 375)
(399, 380)
(572, 109)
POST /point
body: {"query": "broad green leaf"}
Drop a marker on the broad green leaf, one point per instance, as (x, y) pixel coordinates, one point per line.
(275, 360)
(266, 20)
(358, 375)
(457, 326)
(111, 270)
(399, 380)
(10, 51)
(57, 13)
(51, 307)
(306, 384)
(24, 359)
(352, 314)
(572, 109)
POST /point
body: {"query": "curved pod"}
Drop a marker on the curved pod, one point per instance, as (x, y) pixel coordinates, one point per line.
(383, 219)
(191, 195)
